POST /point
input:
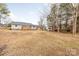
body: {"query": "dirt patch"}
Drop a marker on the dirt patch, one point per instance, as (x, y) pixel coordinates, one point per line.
(2, 49)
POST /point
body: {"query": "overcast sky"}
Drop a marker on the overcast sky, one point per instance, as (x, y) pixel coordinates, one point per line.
(26, 12)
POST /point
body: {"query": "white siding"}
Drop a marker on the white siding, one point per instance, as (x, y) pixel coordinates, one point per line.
(33, 27)
(16, 27)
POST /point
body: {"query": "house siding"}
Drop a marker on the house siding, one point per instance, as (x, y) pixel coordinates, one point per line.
(16, 27)
(26, 27)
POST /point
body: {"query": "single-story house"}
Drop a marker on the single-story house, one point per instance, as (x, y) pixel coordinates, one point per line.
(23, 26)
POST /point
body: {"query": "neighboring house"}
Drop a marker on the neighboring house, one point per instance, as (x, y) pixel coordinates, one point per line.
(19, 26)
(23, 26)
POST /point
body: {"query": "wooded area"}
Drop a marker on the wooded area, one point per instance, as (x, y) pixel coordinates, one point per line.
(63, 17)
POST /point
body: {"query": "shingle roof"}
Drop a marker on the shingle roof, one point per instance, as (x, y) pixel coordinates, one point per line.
(20, 23)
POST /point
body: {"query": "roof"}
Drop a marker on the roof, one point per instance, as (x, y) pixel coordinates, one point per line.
(36, 25)
(20, 23)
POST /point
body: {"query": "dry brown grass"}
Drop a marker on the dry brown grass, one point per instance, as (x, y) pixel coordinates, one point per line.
(38, 43)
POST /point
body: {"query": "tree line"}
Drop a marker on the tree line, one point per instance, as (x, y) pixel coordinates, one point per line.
(63, 17)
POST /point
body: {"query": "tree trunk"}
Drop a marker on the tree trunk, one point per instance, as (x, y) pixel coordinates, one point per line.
(74, 22)
(66, 25)
(60, 26)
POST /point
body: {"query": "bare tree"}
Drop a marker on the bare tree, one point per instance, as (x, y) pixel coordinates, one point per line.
(43, 16)
(75, 5)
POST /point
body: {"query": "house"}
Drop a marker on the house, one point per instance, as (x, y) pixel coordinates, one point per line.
(20, 26)
(23, 26)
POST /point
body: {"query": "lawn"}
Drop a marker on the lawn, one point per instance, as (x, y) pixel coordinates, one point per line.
(37, 43)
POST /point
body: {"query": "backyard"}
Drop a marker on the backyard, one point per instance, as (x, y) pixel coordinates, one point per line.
(38, 43)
